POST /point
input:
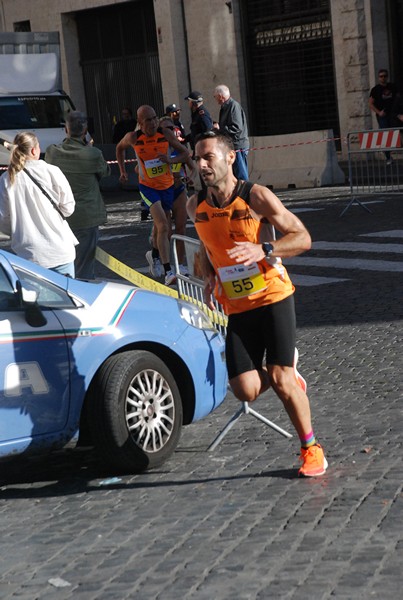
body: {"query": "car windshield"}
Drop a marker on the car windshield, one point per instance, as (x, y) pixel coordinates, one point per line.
(34, 112)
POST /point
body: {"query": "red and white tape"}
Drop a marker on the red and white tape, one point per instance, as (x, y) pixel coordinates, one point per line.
(277, 146)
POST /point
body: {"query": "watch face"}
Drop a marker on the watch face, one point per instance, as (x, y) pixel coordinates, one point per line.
(267, 248)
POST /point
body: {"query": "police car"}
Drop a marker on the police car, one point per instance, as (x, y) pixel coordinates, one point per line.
(120, 367)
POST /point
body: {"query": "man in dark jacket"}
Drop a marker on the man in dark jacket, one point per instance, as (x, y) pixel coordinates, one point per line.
(201, 120)
(232, 121)
(84, 166)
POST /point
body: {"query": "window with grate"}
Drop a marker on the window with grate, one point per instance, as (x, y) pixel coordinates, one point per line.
(290, 74)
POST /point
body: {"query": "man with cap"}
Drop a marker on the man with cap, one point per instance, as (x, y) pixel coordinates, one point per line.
(201, 120)
(173, 112)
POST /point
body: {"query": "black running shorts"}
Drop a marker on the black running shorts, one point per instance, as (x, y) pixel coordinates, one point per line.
(250, 334)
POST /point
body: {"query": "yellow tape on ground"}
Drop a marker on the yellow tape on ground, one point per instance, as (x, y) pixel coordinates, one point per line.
(131, 275)
(144, 282)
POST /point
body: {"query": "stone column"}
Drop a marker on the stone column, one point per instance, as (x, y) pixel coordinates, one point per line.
(360, 43)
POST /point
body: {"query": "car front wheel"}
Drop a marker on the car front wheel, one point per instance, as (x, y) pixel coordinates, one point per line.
(135, 411)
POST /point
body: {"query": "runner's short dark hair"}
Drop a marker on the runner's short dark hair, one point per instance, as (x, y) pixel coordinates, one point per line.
(221, 137)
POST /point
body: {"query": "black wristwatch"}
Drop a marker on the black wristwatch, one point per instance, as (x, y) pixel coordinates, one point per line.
(267, 248)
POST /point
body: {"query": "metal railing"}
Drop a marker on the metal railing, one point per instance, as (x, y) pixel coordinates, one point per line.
(375, 164)
(191, 287)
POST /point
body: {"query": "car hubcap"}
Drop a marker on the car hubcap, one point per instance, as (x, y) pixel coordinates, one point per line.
(150, 410)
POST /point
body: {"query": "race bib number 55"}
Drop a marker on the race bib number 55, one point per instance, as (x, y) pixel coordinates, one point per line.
(239, 281)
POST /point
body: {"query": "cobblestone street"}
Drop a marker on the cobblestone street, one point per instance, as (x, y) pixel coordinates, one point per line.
(237, 523)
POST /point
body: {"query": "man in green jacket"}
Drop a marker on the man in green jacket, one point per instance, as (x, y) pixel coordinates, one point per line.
(83, 165)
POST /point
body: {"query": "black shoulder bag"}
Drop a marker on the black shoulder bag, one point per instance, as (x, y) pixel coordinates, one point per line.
(44, 192)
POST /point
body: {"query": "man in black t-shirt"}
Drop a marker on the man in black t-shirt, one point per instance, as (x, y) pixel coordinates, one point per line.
(381, 100)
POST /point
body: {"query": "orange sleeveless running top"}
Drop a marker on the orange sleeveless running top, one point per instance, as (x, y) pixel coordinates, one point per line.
(239, 288)
(153, 172)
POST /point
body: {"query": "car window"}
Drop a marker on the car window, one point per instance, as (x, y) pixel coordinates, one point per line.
(49, 295)
(8, 298)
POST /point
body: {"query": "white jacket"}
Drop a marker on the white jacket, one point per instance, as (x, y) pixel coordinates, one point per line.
(38, 232)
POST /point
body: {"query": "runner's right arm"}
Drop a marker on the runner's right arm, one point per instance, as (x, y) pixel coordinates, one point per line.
(126, 142)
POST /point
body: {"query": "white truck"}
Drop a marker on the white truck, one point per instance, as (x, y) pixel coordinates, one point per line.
(31, 98)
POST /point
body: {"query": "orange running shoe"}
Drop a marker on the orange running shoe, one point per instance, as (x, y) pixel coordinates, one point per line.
(314, 462)
(301, 381)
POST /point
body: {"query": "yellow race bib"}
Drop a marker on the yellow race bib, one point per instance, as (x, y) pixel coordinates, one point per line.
(239, 281)
(155, 167)
(176, 167)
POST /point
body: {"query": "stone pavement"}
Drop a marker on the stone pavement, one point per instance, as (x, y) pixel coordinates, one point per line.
(236, 523)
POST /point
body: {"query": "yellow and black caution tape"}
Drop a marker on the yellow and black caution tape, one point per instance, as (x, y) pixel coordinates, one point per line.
(131, 275)
(147, 283)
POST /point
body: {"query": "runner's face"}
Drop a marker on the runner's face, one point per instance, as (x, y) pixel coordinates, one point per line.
(213, 162)
(149, 122)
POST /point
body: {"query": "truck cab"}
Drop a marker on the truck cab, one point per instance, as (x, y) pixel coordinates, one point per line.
(31, 98)
(44, 115)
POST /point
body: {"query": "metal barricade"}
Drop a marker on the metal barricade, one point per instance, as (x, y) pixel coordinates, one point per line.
(375, 164)
(191, 287)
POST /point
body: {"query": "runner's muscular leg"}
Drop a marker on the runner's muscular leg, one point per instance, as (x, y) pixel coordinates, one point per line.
(294, 399)
(249, 385)
(162, 231)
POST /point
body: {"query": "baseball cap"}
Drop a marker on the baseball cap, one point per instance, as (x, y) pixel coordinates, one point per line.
(171, 108)
(195, 96)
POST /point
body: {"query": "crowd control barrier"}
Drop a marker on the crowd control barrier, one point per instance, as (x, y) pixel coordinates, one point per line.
(191, 288)
(375, 164)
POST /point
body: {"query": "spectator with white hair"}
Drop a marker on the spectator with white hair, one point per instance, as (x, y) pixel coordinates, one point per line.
(232, 121)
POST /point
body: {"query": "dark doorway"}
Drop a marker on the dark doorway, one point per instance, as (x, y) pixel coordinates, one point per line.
(394, 12)
(119, 58)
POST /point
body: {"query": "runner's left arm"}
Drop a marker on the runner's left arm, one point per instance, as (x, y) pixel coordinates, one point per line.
(295, 238)
(182, 154)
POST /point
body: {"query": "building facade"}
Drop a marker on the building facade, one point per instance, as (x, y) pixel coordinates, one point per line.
(295, 65)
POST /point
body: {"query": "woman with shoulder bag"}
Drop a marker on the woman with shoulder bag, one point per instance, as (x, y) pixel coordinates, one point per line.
(35, 199)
